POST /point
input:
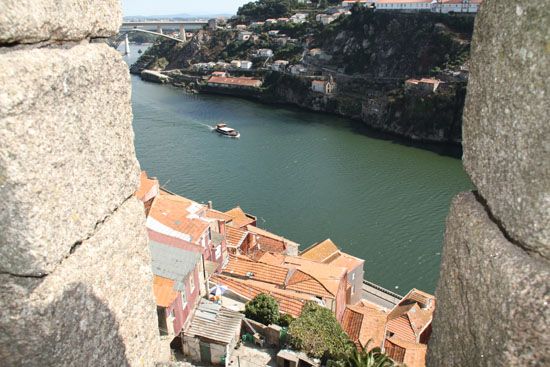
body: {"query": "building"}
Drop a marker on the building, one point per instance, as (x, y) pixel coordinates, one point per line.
(240, 82)
(235, 64)
(246, 65)
(241, 27)
(268, 242)
(456, 6)
(298, 18)
(327, 252)
(298, 69)
(212, 24)
(219, 73)
(264, 52)
(291, 358)
(257, 24)
(270, 21)
(349, 3)
(175, 285)
(273, 32)
(239, 218)
(283, 20)
(179, 222)
(279, 65)
(425, 84)
(409, 327)
(244, 36)
(212, 334)
(323, 86)
(404, 5)
(365, 325)
(148, 189)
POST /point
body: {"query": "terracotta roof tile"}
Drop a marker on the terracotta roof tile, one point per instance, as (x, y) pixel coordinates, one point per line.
(320, 251)
(363, 323)
(239, 217)
(289, 302)
(234, 236)
(178, 214)
(272, 258)
(240, 266)
(241, 81)
(215, 214)
(328, 276)
(148, 188)
(305, 283)
(163, 289)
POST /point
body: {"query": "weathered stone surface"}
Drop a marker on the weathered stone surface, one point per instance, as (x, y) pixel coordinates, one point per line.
(67, 157)
(492, 296)
(506, 128)
(30, 21)
(96, 309)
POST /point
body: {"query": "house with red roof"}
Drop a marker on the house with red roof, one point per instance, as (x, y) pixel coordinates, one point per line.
(409, 327)
(327, 252)
(365, 324)
(175, 286)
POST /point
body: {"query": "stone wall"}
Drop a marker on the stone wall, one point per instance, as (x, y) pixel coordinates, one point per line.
(493, 293)
(75, 277)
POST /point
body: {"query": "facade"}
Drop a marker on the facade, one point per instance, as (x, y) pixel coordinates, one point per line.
(456, 6)
(323, 86)
(438, 6)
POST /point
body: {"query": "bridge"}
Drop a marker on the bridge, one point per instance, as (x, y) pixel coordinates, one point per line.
(158, 26)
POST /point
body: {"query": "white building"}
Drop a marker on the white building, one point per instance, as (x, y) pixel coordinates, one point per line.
(456, 6)
(323, 86)
(298, 69)
(245, 64)
(236, 63)
(273, 32)
(279, 65)
(270, 21)
(298, 18)
(438, 6)
(265, 52)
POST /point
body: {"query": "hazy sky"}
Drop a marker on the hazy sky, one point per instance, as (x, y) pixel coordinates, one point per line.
(166, 7)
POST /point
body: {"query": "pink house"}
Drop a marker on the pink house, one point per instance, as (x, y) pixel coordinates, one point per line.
(176, 286)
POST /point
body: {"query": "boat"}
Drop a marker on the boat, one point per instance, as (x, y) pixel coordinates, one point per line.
(227, 131)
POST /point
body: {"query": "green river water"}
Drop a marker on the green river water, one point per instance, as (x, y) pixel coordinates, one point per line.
(307, 177)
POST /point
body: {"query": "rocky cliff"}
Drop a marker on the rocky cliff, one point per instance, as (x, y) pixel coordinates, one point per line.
(493, 292)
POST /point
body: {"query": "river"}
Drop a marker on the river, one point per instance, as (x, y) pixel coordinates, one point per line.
(307, 177)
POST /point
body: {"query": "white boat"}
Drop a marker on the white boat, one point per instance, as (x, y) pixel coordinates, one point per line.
(227, 131)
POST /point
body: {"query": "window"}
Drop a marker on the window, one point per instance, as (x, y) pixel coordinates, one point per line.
(352, 277)
(192, 283)
(218, 252)
(209, 234)
(183, 299)
(172, 314)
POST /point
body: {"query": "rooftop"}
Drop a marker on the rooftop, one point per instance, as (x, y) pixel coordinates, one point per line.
(364, 322)
(241, 81)
(234, 236)
(214, 322)
(171, 262)
(164, 291)
(146, 185)
(241, 266)
(171, 214)
(239, 217)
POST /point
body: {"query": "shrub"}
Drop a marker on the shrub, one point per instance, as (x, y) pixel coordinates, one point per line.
(263, 308)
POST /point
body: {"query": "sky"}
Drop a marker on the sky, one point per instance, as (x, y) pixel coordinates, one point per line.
(192, 7)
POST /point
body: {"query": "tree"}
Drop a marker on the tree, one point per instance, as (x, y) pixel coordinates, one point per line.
(318, 333)
(264, 9)
(262, 308)
(372, 358)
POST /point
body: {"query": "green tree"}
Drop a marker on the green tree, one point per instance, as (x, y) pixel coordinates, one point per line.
(262, 308)
(318, 333)
(264, 9)
(372, 358)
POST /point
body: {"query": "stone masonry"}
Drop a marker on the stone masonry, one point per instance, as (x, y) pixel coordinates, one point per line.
(493, 293)
(75, 277)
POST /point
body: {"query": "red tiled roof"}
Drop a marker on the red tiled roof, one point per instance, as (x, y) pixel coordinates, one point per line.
(241, 266)
(172, 211)
(289, 302)
(328, 276)
(234, 236)
(320, 251)
(363, 323)
(146, 186)
(412, 315)
(163, 289)
(305, 283)
(215, 214)
(242, 81)
(239, 217)
(272, 258)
